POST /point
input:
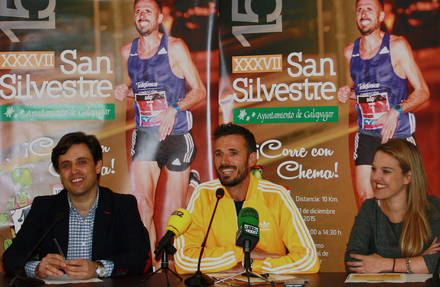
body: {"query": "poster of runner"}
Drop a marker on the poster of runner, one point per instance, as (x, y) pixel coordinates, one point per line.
(68, 66)
(282, 68)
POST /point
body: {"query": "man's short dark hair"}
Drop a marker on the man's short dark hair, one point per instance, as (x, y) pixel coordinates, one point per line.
(232, 129)
(159, 4)
(380, 2)
(70, 139)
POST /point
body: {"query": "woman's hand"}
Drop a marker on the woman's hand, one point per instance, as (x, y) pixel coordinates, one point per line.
(434, 248)
(370, 264)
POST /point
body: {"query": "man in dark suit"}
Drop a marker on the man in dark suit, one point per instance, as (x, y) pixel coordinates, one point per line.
(92, 232)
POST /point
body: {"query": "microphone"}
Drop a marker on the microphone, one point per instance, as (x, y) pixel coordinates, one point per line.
(20, 278)
(198, 279)
(248, 233)
(178, 223)
(219, 193)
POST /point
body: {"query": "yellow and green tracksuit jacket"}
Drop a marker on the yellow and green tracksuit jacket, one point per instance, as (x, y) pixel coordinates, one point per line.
(282, 231)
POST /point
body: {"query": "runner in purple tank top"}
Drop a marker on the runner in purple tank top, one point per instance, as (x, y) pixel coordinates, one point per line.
(160, 67)
(381, 65)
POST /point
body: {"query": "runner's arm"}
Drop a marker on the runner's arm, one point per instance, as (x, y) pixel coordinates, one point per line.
(181, 58)
(401, 52)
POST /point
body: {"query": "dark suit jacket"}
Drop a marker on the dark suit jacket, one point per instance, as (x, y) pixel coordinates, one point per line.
(118, 234)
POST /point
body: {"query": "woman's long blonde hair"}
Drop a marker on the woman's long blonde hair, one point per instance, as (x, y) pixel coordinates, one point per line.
(416, 231)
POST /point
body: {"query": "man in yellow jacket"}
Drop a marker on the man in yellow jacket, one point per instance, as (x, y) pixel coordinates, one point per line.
(285, 244)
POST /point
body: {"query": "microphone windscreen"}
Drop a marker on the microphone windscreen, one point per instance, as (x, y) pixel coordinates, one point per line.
(248, 230)
(179, 221)
(219, 193)
(248, 215)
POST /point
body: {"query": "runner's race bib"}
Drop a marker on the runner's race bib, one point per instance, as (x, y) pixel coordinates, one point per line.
(150, 104)
(372, 105)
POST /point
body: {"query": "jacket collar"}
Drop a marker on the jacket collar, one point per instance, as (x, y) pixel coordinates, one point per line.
(103, 219)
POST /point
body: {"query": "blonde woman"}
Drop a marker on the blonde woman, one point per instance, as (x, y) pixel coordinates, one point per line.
(398, 229)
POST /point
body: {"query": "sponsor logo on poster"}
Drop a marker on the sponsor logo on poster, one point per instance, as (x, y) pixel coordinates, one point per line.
(57, 112)
(273, 115)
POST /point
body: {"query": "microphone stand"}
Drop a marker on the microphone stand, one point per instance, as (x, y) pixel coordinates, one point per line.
(248, 269)
(247, 260)
(20, 279)
(248, 274)
(168, 250)
(199, 279)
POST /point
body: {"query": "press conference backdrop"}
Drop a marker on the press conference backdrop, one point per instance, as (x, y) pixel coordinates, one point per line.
(60, 62)
(281, 66)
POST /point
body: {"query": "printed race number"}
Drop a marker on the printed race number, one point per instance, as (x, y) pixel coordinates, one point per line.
(150, 104)
(372, 106)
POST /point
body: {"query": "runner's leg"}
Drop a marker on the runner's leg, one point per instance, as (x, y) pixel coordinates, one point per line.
(363, 185)
(144, 178)
(173, 188)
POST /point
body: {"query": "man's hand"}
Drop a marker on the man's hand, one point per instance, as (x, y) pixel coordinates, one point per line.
(369, 264)
(260, 254)
(389, 120)
(236, 269)
(81, 268)
(51, 265)
(121, 92)
(167, 119)
(344, 93)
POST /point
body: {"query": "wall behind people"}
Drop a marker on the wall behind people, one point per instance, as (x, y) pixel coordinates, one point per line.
(276, 70)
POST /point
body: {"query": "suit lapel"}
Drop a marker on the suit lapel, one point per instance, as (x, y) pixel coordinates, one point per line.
(61, 231)
(102, 224)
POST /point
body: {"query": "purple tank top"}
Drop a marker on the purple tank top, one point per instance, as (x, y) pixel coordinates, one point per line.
(378, 89)
(155, 87)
